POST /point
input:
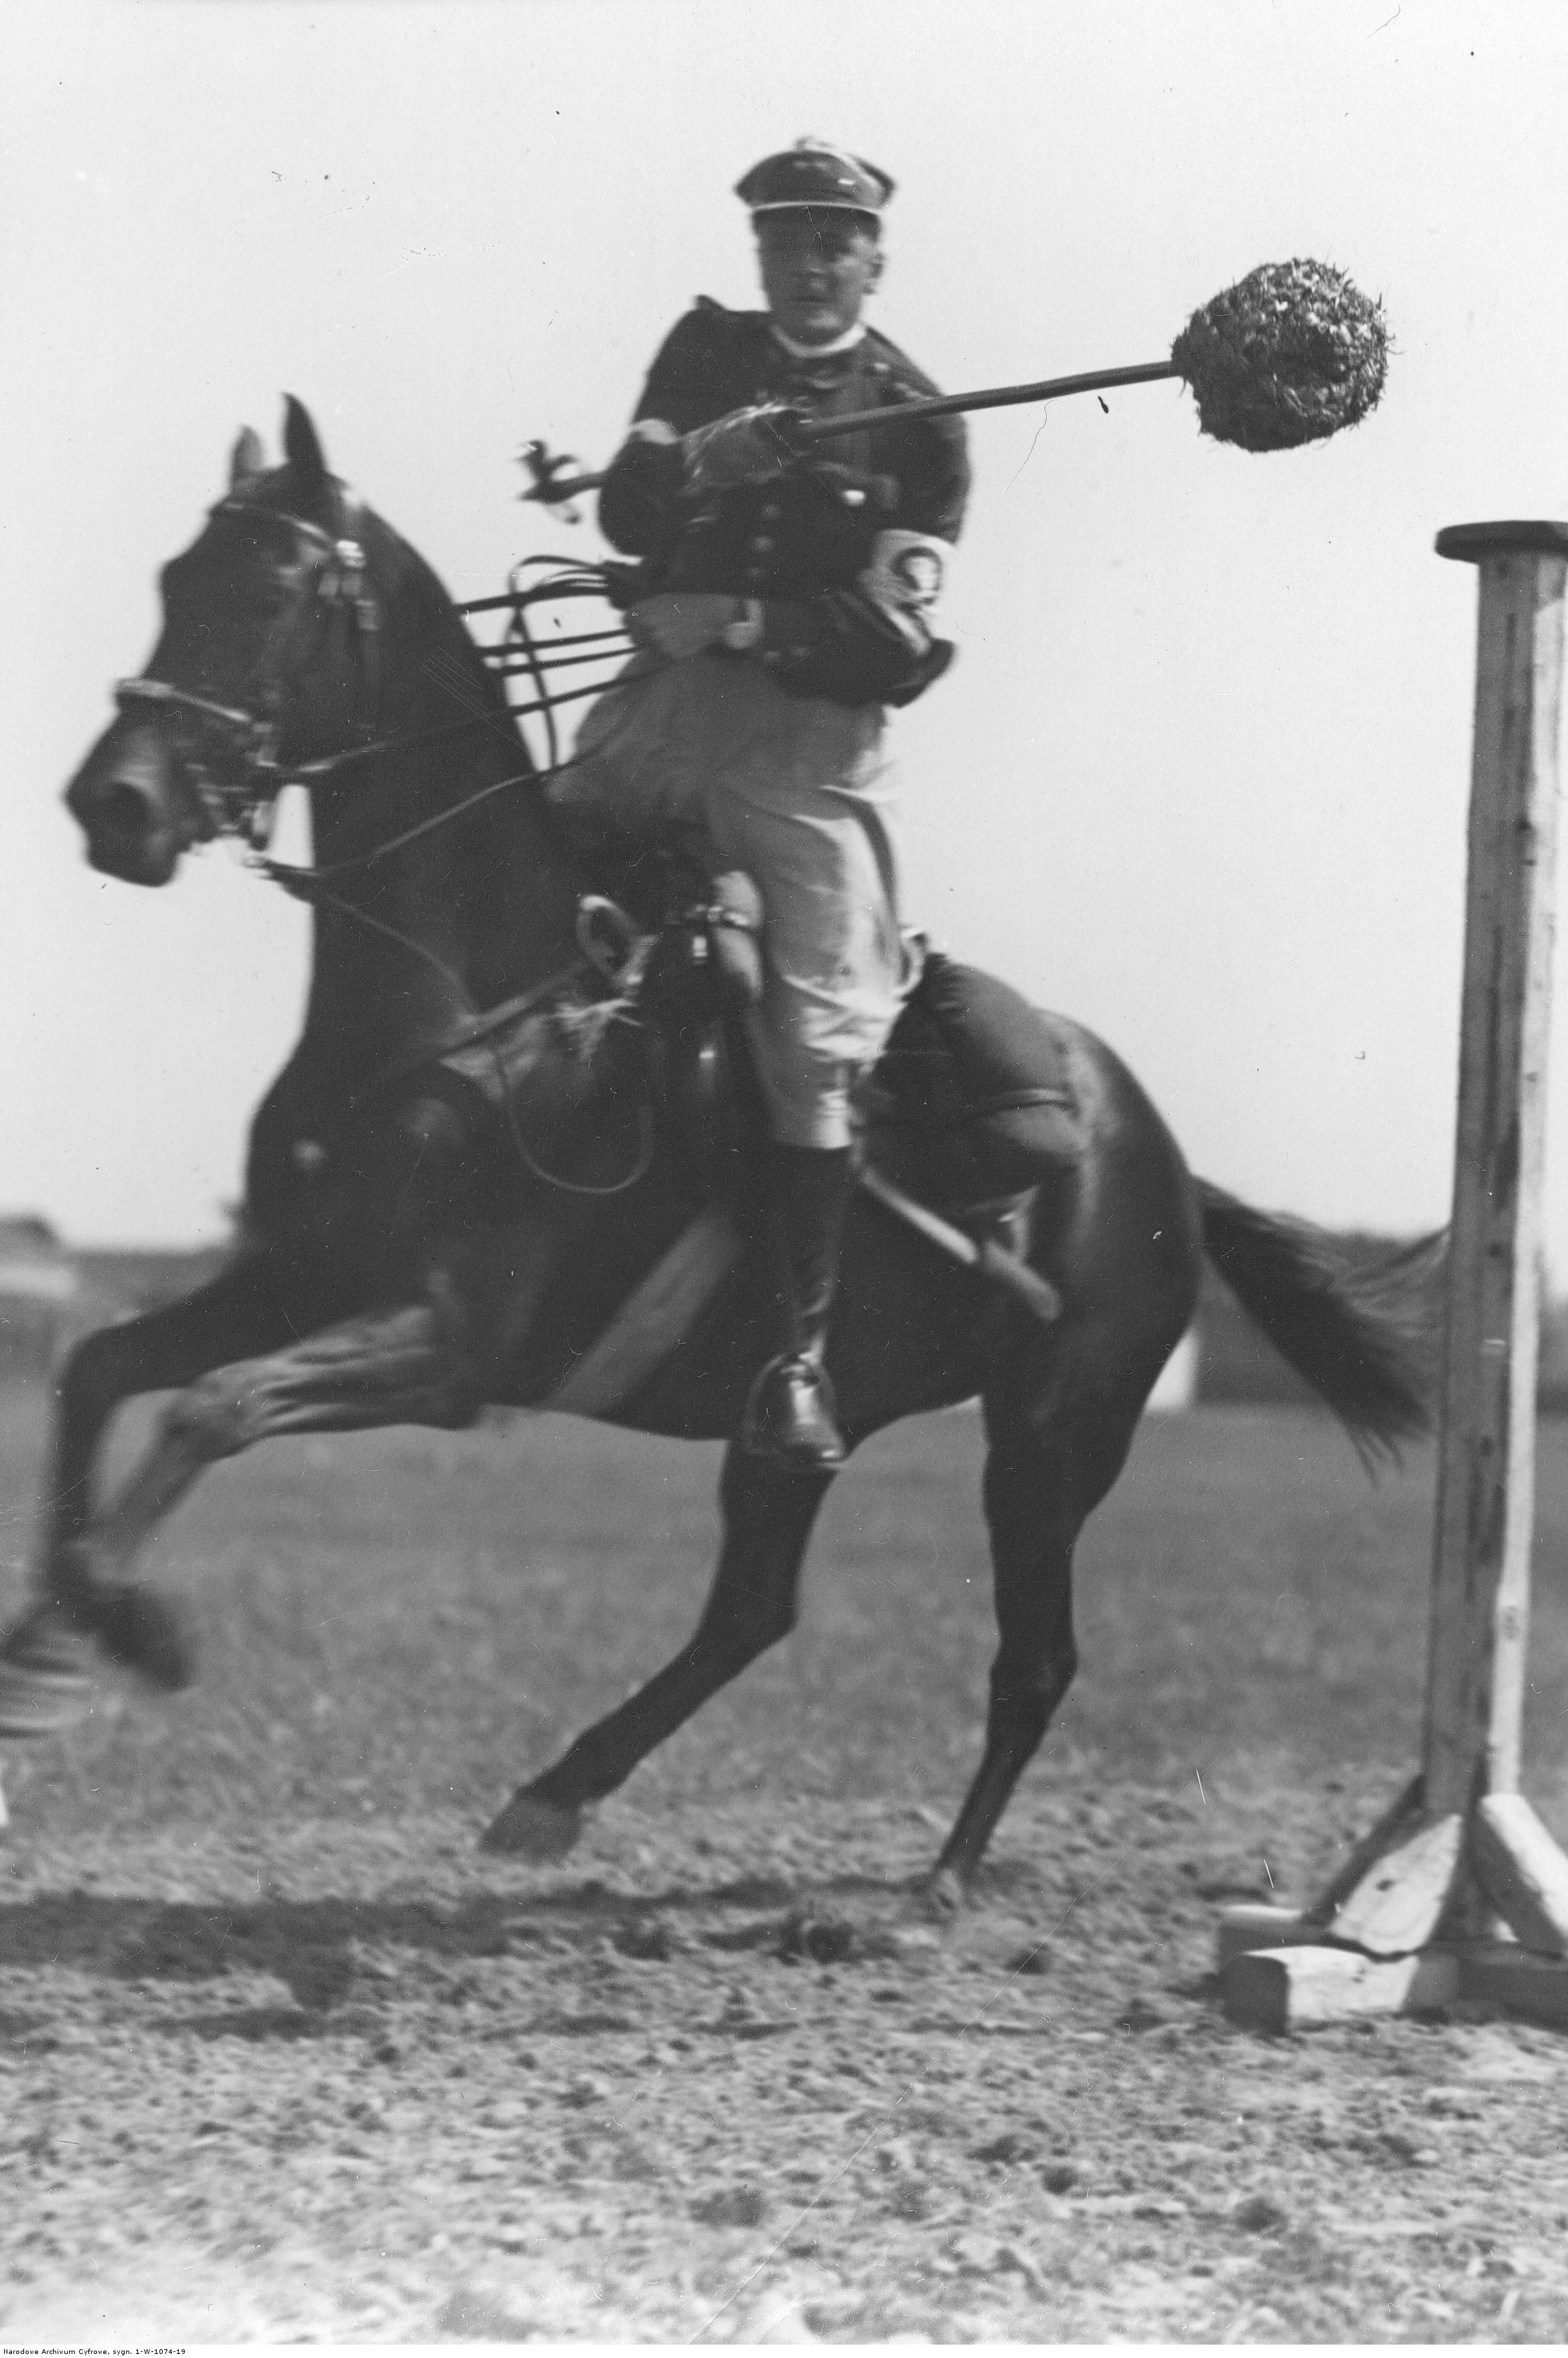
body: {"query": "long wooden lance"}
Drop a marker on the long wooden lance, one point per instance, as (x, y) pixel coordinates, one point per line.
(1289, 354)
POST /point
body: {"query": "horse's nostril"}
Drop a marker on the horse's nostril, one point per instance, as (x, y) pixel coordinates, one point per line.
(124, 810)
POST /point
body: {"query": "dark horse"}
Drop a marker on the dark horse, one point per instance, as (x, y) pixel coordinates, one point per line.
(404, 1263)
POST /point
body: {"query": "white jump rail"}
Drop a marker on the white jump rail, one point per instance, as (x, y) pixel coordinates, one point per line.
(1460, 1891)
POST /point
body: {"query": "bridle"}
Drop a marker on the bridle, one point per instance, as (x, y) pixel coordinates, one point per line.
(231, 754)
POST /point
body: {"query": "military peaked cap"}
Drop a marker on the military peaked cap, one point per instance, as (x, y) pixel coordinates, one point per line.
(813, 174)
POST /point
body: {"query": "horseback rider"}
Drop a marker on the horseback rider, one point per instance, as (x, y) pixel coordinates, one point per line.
(784, 603)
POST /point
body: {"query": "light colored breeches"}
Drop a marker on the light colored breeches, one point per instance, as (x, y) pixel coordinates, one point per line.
(798, 793)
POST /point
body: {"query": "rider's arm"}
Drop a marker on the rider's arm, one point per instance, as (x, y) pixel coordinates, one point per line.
(872, 643)
(640, 509)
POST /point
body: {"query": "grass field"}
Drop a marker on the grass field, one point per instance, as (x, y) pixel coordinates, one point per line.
(392, 1622)
(281, 2057)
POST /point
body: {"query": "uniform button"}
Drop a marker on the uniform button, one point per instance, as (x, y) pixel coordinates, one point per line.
(762, 543)
(771, 512)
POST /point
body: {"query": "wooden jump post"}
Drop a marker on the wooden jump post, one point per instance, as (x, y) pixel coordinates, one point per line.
(1460, 1891)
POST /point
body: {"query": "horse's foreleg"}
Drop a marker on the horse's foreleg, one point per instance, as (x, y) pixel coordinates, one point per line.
(768, 1515)
(359, 1244)
(244, 1310)
(44, 1657)
(391, 1367)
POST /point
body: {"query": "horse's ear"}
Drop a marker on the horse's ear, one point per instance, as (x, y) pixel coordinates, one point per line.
(244, 459)
(303, 450)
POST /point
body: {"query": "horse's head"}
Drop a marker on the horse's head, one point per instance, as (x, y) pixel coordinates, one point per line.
(266, 661)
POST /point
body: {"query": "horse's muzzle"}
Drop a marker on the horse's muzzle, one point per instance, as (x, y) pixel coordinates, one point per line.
(129, 803)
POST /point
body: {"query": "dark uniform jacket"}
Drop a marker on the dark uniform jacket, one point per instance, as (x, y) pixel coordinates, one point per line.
(815, 544)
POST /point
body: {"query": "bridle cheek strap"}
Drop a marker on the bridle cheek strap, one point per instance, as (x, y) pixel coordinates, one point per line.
(337, 580)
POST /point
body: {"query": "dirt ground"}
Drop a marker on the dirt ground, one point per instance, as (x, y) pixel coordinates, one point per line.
(281, 2057)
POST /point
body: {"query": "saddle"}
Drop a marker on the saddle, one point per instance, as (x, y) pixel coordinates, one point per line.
(638, 1064)
(971, 1109)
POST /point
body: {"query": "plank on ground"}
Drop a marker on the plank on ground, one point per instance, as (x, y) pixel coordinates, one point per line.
(1246, 1925)
(1298, 1989)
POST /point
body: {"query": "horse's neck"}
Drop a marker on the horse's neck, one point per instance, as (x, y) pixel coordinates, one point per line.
(470, 912)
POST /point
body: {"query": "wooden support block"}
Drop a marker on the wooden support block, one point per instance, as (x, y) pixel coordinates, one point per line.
(1522, 1871)
(1395, 1909)
(1497, 1973)
(1250, 1925)
(1401, 1814)
(1296, 1989)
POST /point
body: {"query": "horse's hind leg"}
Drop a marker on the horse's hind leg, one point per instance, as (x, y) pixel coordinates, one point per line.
(768, 1514)
(1041, 1481)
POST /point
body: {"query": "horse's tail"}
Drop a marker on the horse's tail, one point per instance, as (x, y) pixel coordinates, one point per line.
(1362, 1338)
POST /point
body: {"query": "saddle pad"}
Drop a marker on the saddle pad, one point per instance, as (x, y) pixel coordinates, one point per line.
(972, 1100)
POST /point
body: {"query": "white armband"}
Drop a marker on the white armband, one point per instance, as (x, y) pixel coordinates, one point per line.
(904, 579)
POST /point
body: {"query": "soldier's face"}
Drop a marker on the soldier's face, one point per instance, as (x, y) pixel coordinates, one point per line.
(817, 270)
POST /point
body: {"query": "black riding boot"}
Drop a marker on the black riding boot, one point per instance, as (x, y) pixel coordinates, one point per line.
(790, 1413)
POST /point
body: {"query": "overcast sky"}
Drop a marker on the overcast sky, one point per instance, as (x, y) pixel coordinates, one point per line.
(1199, 775)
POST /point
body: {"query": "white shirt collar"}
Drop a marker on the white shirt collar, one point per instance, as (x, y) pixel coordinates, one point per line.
(844, 344)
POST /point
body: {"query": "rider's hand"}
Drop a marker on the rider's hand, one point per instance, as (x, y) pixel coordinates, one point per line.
(681, 623)
(748, 446)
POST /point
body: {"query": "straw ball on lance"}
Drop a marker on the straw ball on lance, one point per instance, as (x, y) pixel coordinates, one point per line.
(1289, 354)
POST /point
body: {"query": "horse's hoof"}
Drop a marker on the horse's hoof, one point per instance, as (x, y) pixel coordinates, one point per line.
(137, 1628)
(44, 1682)
(940, 1898)
(532, 1829)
